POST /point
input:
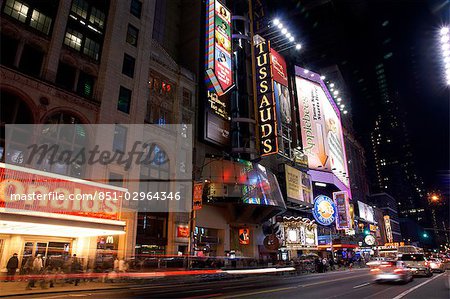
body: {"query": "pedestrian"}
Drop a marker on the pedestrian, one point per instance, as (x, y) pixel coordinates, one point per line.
(331, 264)
(36, 269)
(116, 265)
(324, 263)
(77, 269)
(11, 266)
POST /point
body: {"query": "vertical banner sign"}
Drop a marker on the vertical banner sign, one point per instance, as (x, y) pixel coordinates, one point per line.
(219, 77)
(218, 46)
(197, 198)
(387, 224)
(283, 102)
(266, 109)
(343, 210)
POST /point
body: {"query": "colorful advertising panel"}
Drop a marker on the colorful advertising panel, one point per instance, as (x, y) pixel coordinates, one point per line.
(218, 47)
(298, 186)
(387, 225)
(244, 236)
(265, 103)
(324, 210)
(343, 210)
(182, 231)
(219, 77)
(321, 129)
(365, 212)
(197, 197)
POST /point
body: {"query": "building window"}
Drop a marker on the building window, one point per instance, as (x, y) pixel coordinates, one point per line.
(73, 39)
(85, 27)
(120, 138)
(65, 77)
(97, 18)
(40, 22)
(31, 61)
(187, 98)
(132, 35)
(85, 86)
(80, 8)
(115, 179)
(91, 48)
(37, 14)
(128, 65)
(136, 8)
(124, 102)
(8, 50)
(16, 9)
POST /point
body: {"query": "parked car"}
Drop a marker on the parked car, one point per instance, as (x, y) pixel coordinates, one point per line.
(437, 265)
(392, 271)
(417, 263)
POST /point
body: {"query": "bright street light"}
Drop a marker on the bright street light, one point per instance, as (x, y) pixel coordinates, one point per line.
(291, 39)
(298, 47)
(280, 25)
(276, 22)
(444, 30)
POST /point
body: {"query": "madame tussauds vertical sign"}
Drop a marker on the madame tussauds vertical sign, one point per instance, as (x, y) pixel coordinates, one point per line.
(266, 110)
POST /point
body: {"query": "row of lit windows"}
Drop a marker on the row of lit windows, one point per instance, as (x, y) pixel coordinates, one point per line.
(25, 13)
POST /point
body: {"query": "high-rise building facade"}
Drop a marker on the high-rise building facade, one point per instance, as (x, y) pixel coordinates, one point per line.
(82, 63)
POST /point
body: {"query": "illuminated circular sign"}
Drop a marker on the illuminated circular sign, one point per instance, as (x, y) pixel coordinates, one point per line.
(324, 210)
(369, 240)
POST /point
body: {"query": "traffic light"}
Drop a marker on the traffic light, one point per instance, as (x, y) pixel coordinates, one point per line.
(366, 232)
(425, 235)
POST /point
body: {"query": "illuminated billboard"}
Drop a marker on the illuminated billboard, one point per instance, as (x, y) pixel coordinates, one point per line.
(298, 186)
(218, 70)
(365, 212)
(283, 102)
(343, 210)
(321, 130)
(218, 46)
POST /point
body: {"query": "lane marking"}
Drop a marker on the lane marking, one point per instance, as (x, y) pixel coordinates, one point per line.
(260, 292)
(235, 287)
(362, 285)
(401, 295)
(337, 279)
(194, 291)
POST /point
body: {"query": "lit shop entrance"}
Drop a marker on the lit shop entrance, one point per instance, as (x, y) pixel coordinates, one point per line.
(53, 252)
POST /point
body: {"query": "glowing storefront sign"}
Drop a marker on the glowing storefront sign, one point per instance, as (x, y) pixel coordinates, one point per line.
(324, 210)
(218, 46)
(322, 136)
(21, 188)
(343, 210)
(266, 109)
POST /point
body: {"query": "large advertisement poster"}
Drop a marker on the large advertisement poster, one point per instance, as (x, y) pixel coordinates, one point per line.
(298, 186)
(321, 130)
(283, 102)
(365, 211)
(343, 210)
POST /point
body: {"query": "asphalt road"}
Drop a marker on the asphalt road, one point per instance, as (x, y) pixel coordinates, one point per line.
(349, 284)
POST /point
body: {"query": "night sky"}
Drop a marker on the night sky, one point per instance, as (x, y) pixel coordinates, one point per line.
(342, 32)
